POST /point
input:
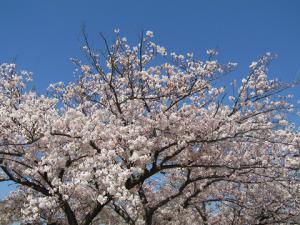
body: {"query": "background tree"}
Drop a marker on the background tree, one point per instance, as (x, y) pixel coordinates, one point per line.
(147, 137)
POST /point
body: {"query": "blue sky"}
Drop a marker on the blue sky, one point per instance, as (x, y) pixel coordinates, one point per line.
(42, 35)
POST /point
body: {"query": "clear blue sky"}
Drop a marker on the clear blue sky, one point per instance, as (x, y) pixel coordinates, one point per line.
(43, 35)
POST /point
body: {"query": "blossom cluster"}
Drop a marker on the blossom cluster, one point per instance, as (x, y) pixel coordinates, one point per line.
(148, 137)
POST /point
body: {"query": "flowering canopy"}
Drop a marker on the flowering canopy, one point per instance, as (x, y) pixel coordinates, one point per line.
(149, 137)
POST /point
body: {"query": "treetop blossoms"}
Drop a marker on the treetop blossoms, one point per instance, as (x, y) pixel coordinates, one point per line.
(144, 136)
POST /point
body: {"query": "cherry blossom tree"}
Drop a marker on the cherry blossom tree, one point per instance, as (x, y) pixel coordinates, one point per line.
(144, 136)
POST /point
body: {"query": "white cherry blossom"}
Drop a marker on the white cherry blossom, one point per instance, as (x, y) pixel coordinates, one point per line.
(143, 137)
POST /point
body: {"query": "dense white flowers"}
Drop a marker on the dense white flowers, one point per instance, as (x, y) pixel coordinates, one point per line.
(161, 50)
(142, 141)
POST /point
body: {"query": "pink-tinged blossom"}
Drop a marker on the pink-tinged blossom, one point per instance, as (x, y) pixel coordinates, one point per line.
(149, 34)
